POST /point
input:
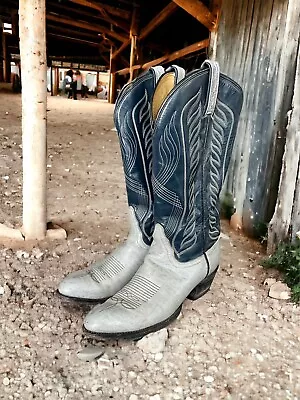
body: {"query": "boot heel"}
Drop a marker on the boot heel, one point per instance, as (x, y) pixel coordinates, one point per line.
(203, 287)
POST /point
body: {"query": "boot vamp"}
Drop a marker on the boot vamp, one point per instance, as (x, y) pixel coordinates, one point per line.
(153, 295)
(105, 277)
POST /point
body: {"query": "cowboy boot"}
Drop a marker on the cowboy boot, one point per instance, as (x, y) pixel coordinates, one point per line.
(192, 142)
(132, 117)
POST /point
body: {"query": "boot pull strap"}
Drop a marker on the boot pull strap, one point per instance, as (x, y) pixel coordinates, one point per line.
(213, 86)
(179, 72)
(158, 72)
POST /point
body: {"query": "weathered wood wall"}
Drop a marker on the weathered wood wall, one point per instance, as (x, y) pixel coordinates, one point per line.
(257, 46)
(286, 220)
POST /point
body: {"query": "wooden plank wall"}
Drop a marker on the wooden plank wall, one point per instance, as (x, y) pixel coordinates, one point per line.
(257, 46)
(285, 223)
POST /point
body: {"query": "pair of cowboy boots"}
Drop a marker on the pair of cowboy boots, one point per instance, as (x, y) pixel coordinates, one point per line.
(176, 134)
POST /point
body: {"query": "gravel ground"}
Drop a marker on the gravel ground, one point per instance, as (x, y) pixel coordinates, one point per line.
(234, 343)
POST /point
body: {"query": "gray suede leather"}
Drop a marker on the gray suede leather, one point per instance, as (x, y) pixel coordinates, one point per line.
(104, 278)
(157, 289)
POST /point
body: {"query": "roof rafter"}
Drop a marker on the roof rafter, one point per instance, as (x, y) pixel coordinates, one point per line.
(91, 14)
(155, 22)
(199, 11)
(104, 7)
(169, 57)
(88, 26)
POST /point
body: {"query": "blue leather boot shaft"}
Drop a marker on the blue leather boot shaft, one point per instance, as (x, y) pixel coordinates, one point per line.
(132, 119)
(192, 148)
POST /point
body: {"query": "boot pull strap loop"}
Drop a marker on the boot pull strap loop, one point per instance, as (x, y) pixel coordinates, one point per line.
(179, 72)
(213, 86)
(158, 72)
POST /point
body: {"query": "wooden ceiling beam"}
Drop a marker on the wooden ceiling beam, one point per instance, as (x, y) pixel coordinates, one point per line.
(104, 7)
(169, 57)
(155, 22)
(77, 34)
(117, 22)
(87, 26)
(158, 19)
(72, 39)
(199, 11)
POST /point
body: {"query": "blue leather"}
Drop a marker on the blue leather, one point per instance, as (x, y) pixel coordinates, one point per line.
(132, 119)
(191, 154)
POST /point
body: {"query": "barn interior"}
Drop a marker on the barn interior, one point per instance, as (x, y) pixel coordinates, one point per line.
(123, 37)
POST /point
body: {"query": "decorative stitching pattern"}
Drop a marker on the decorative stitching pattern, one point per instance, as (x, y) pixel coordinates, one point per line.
(138, 291)
(223, 119)
(136, 142)
(108, 269)
(169, 154)
(194, 126)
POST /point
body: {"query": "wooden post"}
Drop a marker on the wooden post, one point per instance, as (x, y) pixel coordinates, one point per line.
(56, 81)
(97, 83)
(133, 38)
(132, 57)
(34, 103)
(51, 80)
(6, 78)
(216, 6)
(112, 95)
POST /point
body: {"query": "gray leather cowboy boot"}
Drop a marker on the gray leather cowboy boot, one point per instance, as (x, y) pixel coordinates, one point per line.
(192, 143)
(132, 117)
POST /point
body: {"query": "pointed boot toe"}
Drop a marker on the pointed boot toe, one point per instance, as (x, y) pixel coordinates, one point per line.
(106, 277)
(153, 298)
(79, 285)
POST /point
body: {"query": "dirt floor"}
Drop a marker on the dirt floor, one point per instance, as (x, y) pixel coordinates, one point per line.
(234, 343)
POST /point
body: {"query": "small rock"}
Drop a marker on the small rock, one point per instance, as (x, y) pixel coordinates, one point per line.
(1, 290)
(133, 397)
(154, 342)
(269, 281)
(225, 237)
(5, 381)
(280, 291)
(259, 357)
(90, 353)
(22, 254)
(155, 397)
(158, 357)
(209, 379)
(37, 253)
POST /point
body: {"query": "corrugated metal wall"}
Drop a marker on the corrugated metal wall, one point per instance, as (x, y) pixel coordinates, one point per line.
(257, 46)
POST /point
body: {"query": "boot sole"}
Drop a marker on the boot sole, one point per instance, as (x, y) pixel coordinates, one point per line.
(79, 300)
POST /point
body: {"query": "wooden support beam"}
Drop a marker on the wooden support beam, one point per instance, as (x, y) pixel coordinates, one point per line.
(120, 23)
(100, 7)
(34, 104)
(199, 11)
(169, 57)
(133, 37)
(72, 39)
(158, 20)
(155, 22)
(121, 48)
(88, 26)
(112, 90)
(51, 80)
(213, 36)
(54, 29)
(55, 80)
